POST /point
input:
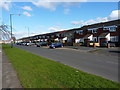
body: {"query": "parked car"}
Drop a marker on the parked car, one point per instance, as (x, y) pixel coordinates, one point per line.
(41, 44)
(105, 44)
(30, 44)
(24, 43)
(56, 45)
(19, 43)
(91, 43)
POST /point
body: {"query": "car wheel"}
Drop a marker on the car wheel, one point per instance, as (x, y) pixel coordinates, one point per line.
(54, 47)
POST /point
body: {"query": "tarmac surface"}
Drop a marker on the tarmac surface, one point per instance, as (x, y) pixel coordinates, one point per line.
(9, 75)
(0, 67)
(97, 64)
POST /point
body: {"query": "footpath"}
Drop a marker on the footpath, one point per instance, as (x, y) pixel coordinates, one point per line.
(112, 51)
(9, 76)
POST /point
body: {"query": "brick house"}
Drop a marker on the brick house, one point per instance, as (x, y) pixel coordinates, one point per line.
(107, 31)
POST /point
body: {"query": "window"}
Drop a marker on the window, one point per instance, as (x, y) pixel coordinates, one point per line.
(93, 30)
(90, 29)
(62, 35)
(80, 32)
(77, 31)
(114, 38)
(110, 28)
(105, 28)
(47, 36)
(57, 35)
(43, 36)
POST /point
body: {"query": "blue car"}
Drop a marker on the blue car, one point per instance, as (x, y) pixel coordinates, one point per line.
(56, 45)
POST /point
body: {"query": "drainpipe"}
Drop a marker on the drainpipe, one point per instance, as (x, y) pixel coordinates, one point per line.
(108, 45)
(94, 45)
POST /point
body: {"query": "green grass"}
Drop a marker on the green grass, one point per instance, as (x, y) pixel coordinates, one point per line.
(38, 72)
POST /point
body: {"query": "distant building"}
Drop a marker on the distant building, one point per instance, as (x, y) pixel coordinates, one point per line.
(99, 32)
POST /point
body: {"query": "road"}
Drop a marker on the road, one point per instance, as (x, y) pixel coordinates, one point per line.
(97, 64)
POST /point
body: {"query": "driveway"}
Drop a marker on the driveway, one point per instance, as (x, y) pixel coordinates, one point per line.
(101, 65)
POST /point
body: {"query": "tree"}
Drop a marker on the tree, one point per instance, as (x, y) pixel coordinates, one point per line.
(5, 34)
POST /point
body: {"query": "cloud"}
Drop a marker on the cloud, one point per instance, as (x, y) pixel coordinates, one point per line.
(5, 4)
(113, 16)
(66, 11)
(27, 8)
(52, 4)
(54, 29)
(45, 4)
(26, 13)
(22, 34)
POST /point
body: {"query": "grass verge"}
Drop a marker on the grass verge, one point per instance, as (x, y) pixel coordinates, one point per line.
(38, 72)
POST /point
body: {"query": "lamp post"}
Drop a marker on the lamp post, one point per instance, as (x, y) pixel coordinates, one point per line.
(28, 33)
(28, 30)
(11, 27)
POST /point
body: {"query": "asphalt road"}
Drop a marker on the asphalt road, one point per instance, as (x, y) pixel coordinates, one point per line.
(97, 64)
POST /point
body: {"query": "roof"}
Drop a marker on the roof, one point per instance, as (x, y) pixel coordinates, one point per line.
(103, 34)
(87, 35)
(109, 23)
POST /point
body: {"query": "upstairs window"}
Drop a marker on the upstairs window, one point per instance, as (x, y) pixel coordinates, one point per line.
(77, 31)
(57, 35)
(62, 35)
(90, 29)
(114, 38)
(110, 28)
(43, 36)
(80, 32)
(93, 30)
(47, 36)
(105, 28)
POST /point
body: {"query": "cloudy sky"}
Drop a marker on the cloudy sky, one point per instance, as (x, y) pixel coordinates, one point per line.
(42, 16)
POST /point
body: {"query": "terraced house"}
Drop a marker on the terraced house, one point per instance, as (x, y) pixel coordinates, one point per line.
(98, 33)
(107, 31)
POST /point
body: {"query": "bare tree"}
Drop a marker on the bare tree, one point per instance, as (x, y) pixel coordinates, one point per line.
(4, 32)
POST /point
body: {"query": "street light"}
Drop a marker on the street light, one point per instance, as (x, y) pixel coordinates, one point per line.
(11, 27)
(28, 33)
(28, 30)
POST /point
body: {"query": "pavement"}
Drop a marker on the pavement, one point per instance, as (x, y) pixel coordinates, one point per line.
(9, 75)
(112, 51)
(97, 64)
(0, 67)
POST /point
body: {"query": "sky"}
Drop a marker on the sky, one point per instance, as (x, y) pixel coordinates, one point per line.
(39, 17)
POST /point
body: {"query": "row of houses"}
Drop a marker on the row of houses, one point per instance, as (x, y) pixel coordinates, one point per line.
(106, 31)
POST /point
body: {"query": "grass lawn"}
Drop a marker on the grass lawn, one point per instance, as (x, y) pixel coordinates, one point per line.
(39, 72)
